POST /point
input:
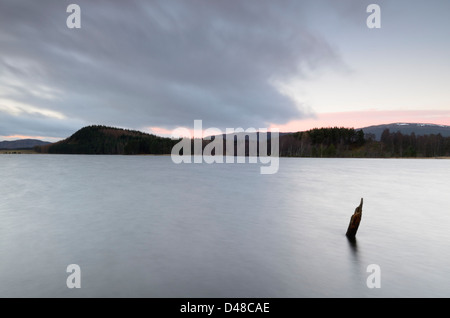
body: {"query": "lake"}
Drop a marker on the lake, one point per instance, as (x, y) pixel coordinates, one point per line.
(142, 226)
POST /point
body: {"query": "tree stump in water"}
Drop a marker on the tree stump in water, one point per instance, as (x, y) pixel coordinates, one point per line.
(354, 221)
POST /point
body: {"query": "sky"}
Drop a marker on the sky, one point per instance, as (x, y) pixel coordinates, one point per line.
(156, 65)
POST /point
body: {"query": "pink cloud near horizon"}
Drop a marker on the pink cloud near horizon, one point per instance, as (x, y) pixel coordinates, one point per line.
(354, 119)
(18, 137)
(360, 119)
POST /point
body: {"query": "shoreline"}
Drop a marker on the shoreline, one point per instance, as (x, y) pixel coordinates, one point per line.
(32, 152)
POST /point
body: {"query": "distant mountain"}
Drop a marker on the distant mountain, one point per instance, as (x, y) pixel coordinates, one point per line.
(109, 141)
(22, 144)
(408, 129)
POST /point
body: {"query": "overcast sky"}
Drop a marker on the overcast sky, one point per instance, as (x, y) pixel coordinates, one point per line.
(157, 65)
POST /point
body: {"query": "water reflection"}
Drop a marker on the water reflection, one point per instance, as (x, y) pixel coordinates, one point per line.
(353, 244)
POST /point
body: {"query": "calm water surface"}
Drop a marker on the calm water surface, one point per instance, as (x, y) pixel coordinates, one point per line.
(141, 226)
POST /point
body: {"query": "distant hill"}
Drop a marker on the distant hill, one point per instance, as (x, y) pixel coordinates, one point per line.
(22, 144)
(408, 129)
(109, 141)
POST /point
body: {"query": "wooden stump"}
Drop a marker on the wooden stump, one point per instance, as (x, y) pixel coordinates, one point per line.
(354, 221)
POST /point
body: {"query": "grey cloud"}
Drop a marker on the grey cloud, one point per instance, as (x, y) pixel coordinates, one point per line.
(159, 63)
(35, 125)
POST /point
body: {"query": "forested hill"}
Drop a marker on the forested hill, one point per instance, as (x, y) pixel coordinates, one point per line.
(109, 141)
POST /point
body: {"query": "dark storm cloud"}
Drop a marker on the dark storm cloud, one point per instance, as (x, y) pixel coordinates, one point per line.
(155, 63)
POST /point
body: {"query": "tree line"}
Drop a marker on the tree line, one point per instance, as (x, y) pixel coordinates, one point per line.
(322, 142)
(348, 142)
(318, 142)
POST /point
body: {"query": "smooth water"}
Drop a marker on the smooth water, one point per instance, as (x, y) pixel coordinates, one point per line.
(142, 226)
